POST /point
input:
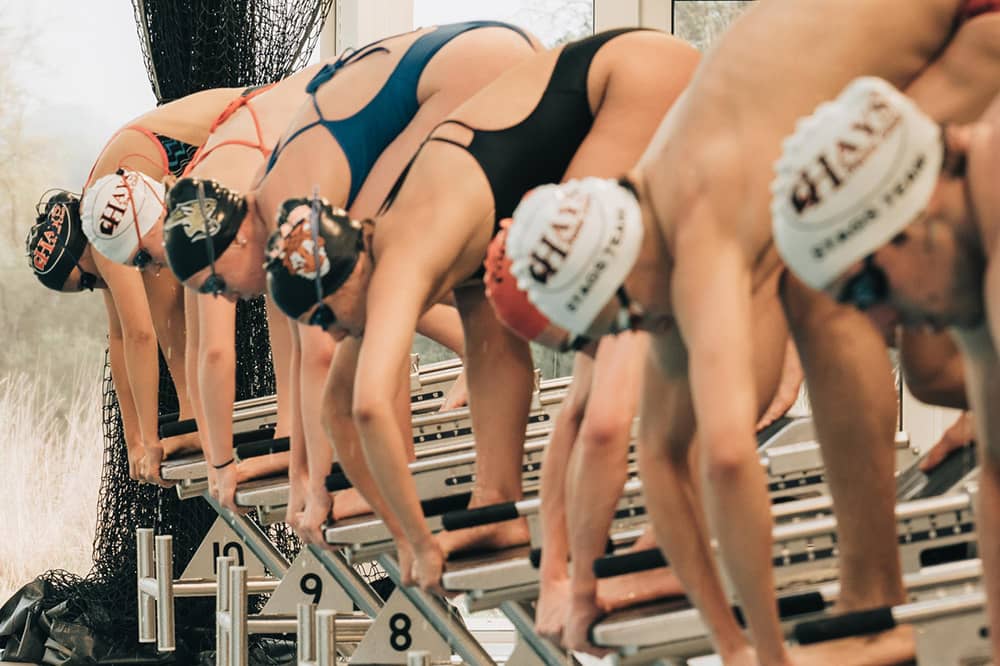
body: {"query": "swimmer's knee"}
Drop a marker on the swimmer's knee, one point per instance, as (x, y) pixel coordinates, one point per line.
(726, 461)
(608, 430)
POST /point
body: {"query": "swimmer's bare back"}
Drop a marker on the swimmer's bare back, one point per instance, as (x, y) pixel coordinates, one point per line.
(187, 120)
(728, 128)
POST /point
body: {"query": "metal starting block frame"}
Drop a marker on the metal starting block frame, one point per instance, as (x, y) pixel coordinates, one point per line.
(510, 576)
(191, 472)
(452, 437)
(950, 630)
(269, 496)
(315, 573)
(233, 625)
(674, 631)
(436, 478)
(806, 551)
(157, 589)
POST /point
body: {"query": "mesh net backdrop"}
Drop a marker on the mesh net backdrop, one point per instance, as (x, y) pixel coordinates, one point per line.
(188, 45)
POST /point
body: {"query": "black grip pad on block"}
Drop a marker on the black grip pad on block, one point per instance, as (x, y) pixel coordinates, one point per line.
(858, 623)
(618, 565)
(483, 515)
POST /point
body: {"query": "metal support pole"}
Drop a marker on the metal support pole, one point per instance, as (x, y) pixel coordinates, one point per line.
(165, 594)
(440, 617)
(222, 623)
(144, 569)
(255, 540)
(418, 658)
(357, 588)
(524, 624)
(238, 614)
(326, 638)
(306, 642)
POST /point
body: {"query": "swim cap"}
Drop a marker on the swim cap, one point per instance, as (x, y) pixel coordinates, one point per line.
(853, 175)
(571, 247)
(510, 304)
(292, 255)
(190, 221)
(114, 205)
(56, 242)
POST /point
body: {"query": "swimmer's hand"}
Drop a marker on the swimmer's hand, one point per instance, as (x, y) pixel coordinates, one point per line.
(222, 487)
(149, 467)
(135, 455)
(296, 498)
(314, 516)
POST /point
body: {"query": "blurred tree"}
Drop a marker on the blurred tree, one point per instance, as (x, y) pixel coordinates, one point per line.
(701, 22)
(557, 21)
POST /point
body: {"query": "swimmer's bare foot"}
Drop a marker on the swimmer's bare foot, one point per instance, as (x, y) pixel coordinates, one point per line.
(458, 394)
(180, 444)
(583, 611)
(349, 503)
(488, 537)
(260, 466)
(636, 588)
(550, 609)
(896, 646)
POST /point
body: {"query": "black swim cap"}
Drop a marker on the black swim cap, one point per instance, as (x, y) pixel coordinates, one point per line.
(186, 226)
(55, 242)
(292, 259)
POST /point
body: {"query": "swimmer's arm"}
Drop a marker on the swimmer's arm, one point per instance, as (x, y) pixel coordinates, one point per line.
(124, 151)
(442, 324)
(280, 338)
(314, 367)
(711, 295)
(119, 376)
(298, 462)
(394, 306)
(142, 364)
(982, 366)
(191, 346)
(982, 373)
(217, 375)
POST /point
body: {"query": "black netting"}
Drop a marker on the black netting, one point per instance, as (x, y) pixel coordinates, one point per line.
(191, 45)
(188, 45)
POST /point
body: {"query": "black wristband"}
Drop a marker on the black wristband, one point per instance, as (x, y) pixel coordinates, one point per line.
(225, 464)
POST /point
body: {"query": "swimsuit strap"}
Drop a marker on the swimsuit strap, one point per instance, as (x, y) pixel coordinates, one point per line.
(398, 185)
(325, 73)
(165, 165)
(240, 102)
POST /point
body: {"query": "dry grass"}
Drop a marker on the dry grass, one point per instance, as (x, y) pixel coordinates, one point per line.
(50, 458)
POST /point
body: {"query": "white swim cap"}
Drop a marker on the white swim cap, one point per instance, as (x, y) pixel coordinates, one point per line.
(853, 175)
(571, 247)
(113, 204)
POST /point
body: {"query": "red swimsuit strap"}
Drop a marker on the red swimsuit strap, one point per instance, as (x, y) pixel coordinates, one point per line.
(973, 8)
(165, 161)
(227, 113)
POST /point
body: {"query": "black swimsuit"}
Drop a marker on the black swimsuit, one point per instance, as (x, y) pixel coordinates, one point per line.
(538, 149)
(179, 154)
